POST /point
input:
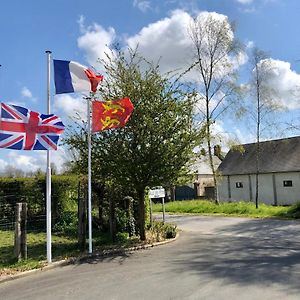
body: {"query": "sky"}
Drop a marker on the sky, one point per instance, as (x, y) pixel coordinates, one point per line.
(82, 31)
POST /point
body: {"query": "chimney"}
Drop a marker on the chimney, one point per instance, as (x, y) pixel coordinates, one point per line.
(218, 153)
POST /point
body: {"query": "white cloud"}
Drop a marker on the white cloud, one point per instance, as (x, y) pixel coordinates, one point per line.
(168, 41)
(58, 157)
(3, 165)
(25, 163)
(26, 93)
(227, 138)
(234, 136)
(200, 106)
(250, 44)
(73, 108)
(95, 41)
(283, 80)
(240, 59)
(31, 162)
(223, 137)
(142, 5)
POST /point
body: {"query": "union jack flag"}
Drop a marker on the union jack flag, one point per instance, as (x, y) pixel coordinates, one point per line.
(22, 129)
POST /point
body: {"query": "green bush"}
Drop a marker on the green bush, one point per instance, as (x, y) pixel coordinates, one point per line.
(33, 190)
(64, 192)
(67, 222)
(122, 237)
(294, 211)
(163, 231)
(170, 231)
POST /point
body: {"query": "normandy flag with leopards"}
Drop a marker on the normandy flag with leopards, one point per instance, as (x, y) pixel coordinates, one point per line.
(110, 114)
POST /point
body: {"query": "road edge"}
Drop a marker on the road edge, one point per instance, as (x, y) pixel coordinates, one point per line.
(74, 260)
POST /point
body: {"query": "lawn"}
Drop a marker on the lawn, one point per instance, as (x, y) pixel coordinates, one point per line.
(65, 245)
(243, 209)
(62, 246)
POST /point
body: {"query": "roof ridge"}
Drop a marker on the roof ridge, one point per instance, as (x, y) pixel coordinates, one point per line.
(280, 155)
(275, 140)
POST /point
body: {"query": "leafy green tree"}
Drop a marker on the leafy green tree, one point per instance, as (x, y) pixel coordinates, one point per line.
(157, 142)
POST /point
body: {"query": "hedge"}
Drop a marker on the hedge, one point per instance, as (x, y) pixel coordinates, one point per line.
(33, 191)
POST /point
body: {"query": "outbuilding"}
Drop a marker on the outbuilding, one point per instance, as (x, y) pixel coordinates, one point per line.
(279, 172)
(202, 186)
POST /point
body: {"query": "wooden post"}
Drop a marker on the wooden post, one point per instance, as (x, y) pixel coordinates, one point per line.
(163, 209)
(151, 213)
(20, 231)
(112, 229)
(81, 219)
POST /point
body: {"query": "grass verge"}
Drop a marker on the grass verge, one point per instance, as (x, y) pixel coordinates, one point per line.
(242, 209)
(62, 247)
(65, 246)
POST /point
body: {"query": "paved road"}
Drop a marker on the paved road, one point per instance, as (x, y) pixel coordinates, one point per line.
(214, 258)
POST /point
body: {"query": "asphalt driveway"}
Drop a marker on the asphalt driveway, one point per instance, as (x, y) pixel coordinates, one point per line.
(214, 258)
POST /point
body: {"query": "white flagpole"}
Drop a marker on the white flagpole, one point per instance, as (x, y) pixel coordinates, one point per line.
(48, 180)
(89, 174)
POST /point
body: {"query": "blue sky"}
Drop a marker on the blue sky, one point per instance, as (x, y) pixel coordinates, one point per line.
(79, 30)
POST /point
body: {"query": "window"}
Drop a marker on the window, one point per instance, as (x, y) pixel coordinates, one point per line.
(239, 185)
(287, 183)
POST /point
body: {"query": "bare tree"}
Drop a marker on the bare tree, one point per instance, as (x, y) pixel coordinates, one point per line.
(216, 57)
(11, 171)
(263, 105)
(293, 125)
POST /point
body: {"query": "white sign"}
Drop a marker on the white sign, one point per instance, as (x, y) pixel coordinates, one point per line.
(157, 192)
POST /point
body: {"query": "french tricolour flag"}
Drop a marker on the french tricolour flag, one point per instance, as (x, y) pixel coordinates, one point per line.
(70, 77)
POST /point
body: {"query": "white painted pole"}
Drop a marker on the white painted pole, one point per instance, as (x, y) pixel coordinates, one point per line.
(48, 178)
(89, 175)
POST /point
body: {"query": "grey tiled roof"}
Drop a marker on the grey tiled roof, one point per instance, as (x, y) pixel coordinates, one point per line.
(202, 166)
(276, 156)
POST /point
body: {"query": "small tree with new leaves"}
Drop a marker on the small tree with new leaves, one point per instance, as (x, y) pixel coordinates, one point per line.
(157, 142)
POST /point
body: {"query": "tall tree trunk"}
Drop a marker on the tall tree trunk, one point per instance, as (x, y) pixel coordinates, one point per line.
(141, 196)
(257, 133)
(210, 154)
(112, 222)
(173, 191)
(257, 164)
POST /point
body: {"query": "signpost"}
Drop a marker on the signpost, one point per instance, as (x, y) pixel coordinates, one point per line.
(157, 192)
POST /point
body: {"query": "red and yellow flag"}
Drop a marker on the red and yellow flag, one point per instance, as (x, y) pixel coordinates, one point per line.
(110, 114)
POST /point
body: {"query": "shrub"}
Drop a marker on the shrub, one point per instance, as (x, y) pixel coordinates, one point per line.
(122, 237)
(170, 231)
(66, 222)
(33, 192)
(294, 211)
(160, 231)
